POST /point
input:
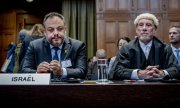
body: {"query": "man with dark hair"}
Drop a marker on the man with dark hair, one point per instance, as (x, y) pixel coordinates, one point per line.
(56, 53)
(174, 38)
(121, 41)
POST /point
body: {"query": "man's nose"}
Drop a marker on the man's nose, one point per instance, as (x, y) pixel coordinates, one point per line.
(171, 34)
(144, 28)
(55, 32)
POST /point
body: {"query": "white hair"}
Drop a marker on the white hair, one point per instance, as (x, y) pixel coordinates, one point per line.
(147, 16)
(101, 53)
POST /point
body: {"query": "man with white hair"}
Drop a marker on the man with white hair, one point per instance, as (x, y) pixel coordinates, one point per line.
(146, 56)
(93, 66)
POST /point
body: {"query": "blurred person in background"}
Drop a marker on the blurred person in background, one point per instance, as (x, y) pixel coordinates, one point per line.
(93, 66)
(36, 32)
(22, 34)
(121, 41)
(174, 38)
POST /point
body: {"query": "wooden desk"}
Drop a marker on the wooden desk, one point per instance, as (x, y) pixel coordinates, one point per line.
(120, 94)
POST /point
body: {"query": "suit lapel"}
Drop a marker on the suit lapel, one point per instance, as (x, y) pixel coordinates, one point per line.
(157, 51)
(65, 49)
(140, 57)
(138, 52)
(47, 51)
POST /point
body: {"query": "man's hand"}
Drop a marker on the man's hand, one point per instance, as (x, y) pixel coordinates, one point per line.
(151, 72)
(144, 74)
(56, 68)
(43, 67)
(158, 73)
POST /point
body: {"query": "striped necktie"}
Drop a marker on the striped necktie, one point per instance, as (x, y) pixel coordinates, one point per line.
(56, 53)
(178, 56)
(55, 57)
(147, 51)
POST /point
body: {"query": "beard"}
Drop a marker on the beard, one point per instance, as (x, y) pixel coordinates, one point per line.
(56, 42)
(145, 39)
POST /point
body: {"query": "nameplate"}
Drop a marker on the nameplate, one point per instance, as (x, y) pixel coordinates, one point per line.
(25, 79)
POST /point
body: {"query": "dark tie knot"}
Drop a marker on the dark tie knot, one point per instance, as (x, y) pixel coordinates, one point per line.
(56, 48)
(177, 51)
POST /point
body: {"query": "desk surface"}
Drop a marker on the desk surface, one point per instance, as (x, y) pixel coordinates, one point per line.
(119, 94)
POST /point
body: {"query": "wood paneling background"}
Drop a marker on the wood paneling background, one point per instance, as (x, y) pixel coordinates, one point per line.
(20, 14)
(11, 23)
(115, 18)
(7, 32)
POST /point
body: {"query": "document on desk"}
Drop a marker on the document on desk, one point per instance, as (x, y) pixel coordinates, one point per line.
(24, 79)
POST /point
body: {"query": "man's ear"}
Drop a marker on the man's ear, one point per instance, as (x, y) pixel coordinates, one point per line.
(136, 30)
(65, 31)
(154, 31)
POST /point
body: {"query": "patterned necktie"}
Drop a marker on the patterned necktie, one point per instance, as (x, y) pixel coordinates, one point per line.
(178, 56)
(147, 51)
(55, 57)
(56, 53)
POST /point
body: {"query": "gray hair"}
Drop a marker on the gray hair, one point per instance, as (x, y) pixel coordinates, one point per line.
(101, 53)
(52, 14)
(147, 16)
(22, 34)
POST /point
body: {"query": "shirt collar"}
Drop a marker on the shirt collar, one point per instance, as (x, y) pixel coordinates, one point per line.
(51, 46)
(143, 45)
(173, 48)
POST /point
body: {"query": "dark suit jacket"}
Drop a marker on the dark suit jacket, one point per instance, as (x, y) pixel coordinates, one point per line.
(74, 50)
(24, 48)
(93, 70)
(131, 57)
(25, 45)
